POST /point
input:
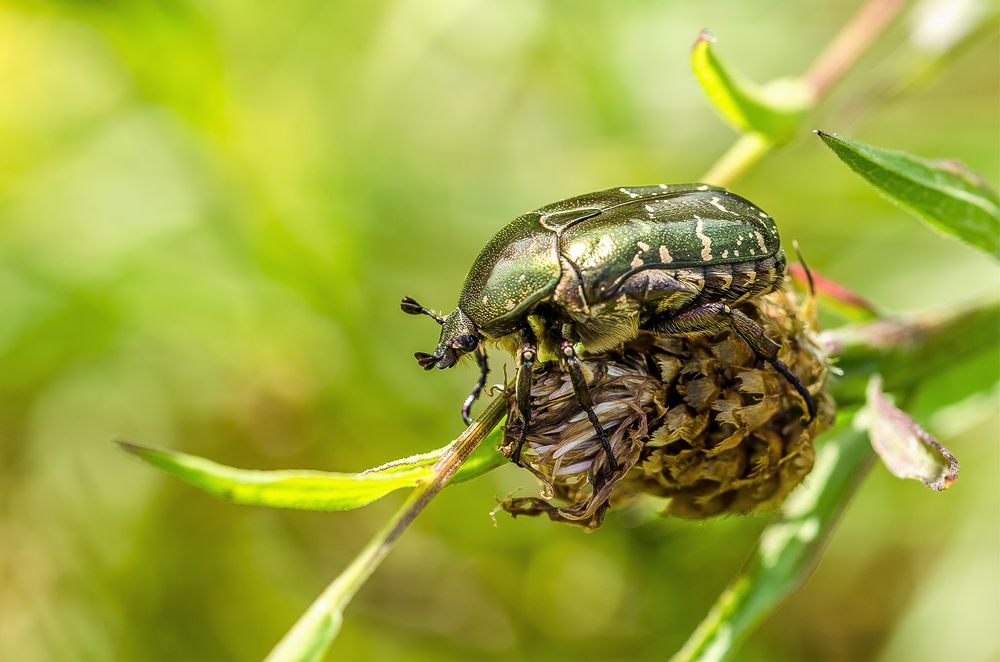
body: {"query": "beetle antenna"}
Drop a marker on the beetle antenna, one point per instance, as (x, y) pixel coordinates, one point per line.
(805, 267)
(425, 360)
(411, 307)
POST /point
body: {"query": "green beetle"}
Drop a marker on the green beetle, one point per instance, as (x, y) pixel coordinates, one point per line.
(598, 268)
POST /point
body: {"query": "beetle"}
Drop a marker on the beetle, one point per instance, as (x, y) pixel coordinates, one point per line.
(589, 272)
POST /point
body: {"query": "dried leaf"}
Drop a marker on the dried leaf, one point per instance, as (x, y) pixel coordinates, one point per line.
(906, 449)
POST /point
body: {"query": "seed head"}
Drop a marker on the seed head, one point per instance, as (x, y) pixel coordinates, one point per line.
(698, 419)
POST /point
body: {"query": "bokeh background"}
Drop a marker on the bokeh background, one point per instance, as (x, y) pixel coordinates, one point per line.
(209, 212)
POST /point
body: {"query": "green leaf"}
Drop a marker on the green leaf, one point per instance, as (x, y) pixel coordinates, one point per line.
(775, 110)
(946, 194)
(906, 449)
(313, 490)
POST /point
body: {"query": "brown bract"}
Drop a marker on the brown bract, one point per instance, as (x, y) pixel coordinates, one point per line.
(698, 419)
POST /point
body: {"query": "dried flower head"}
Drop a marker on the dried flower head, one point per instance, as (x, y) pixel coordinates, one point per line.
(699, 419)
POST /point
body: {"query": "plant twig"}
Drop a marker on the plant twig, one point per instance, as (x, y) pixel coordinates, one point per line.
(742, 155)
(849, 44)
(312, 634)
(828, 68)
(788, 549)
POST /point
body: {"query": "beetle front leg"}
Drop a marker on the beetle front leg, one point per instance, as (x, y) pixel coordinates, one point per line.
(522, 395)
(583, 397)
(484, 371)
(712, 316)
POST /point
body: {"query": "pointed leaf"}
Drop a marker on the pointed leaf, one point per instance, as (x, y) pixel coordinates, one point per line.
(775, 110)
(906, 449)
(312, 490)
(946, 194)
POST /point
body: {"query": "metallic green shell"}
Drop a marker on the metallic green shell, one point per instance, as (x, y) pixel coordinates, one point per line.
(681, 226)
(516, 269)
(608, 235)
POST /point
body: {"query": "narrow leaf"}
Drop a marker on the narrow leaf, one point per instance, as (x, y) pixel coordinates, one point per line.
(906, 449)
(775, 110)
(946, 194)
(312, 490)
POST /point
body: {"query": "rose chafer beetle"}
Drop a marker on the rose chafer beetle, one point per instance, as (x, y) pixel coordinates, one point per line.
(591, 271)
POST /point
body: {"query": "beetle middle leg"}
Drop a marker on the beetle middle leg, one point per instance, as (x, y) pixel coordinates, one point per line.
(712, 316)
(583, 397)
(522, 395)
(484, 371)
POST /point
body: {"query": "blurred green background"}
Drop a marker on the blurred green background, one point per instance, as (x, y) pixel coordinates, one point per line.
(208, 214)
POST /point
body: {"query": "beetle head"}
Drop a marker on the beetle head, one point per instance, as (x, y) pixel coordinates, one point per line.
(459, 336)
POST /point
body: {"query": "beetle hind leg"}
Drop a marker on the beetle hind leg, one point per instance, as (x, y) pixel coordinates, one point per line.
(715, 316)
(583, 397)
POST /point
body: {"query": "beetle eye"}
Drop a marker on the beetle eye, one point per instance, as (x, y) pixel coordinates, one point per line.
(467, 342)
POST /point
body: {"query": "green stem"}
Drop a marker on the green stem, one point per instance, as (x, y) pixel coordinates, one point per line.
(315, 630)
(742, 155)
(831, 65)
(788, 549)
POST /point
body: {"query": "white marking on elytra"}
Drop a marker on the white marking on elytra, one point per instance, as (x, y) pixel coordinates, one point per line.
(753, 252)
(605, 247)
(725, 253)
(718, 205)
(643, 246)
(486, 300)
(736, 253)
(706, 241)
(762, 214)
(521, 278)
(636, 261)
(650, 210)
(702, 188)
(575, 250)
(760, 242)
(665, 255)
(509, 305)
(663, 186)
(629, 193)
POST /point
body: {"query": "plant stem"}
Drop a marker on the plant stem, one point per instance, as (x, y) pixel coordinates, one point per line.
(849, 44)
(829, 67)
(312, 634)
(788, 549)
(740, 157)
